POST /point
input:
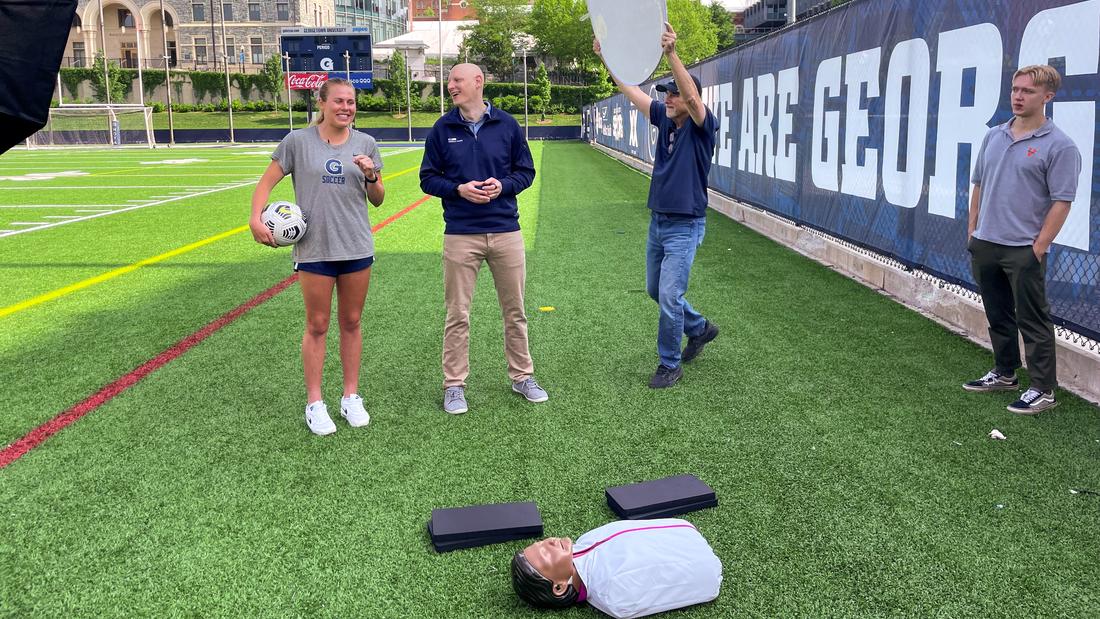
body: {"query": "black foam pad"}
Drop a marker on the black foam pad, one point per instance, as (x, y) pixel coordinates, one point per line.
(478, 525)
(660, 498)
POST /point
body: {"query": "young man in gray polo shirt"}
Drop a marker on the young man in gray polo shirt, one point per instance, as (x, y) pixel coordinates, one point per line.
(1024, 180)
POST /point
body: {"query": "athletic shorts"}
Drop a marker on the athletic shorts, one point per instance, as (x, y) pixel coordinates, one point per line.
(335, 268)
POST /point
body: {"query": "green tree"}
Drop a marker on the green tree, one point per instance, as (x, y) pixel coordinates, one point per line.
(115, 76)
(542, 90)
(270, 80)
(400, 81)
(490, 41)
(696, 34)
(561, 33)
(602, 86)
(723, 20)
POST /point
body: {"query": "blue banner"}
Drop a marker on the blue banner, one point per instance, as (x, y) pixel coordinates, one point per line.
(363, 80)
(864, 122)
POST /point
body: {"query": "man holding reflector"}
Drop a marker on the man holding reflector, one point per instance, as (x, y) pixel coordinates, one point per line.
(686, 135)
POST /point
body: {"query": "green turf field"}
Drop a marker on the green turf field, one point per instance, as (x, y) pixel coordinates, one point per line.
(854, 474)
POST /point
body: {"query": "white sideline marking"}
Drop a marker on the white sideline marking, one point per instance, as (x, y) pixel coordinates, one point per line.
(42, 176)
(90, 210)
(27, 223)
(60, 187)
(59, 205)
(402, 151)
(60, 216)
(44, 225)
(173, 161)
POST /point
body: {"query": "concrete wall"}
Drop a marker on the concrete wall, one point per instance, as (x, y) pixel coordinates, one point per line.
(958, 310)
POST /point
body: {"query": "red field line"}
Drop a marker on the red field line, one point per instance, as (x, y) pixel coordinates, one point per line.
(37, 436)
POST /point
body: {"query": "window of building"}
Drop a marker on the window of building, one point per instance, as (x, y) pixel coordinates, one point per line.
(257, 44)
(78, 54)
(125, 18)
(200, 49)
(227, 11)
(282, 11)
(253, 11)
(172, 58)
(231, 48)
(198, 12)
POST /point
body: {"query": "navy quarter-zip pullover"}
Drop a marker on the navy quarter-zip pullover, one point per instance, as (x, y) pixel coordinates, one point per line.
(454, 154)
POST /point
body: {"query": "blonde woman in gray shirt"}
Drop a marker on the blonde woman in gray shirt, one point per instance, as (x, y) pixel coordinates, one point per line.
(335, 171)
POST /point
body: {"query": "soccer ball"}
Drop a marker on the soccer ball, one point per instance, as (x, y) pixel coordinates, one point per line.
(285, 221)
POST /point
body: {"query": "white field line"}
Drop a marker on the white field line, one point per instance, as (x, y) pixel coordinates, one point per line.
(27, 223)
(90, 210)
(122, 210)
(401, 151)
(60, 216)
(68, 167)
(63, 187)
(59, 205)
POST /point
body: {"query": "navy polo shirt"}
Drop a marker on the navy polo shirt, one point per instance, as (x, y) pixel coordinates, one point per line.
(682, 163)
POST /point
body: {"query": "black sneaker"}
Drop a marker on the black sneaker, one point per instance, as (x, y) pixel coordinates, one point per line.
(1033, 402)
(695, 344)
(992, 381)
(665, 377)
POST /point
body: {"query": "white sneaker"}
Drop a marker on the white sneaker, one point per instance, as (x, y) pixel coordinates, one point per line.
(352, 409)
(317, 419)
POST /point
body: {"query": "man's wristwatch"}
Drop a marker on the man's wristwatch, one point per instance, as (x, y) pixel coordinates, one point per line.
(369, 180)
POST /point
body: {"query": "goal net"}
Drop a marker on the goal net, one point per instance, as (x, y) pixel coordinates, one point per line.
(96, 125)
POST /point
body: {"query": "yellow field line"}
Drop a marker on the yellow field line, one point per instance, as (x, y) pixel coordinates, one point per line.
(406, 171)
(60, 292)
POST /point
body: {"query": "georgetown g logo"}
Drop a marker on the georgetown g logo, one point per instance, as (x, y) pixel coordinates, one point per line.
(335, 174)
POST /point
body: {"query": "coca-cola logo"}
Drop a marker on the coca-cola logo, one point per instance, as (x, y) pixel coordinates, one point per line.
(305, 81)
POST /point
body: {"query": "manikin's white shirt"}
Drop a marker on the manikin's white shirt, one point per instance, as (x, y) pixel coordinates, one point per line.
(634, 568)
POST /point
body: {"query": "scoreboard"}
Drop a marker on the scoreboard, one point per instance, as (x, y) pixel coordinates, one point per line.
(322, 49)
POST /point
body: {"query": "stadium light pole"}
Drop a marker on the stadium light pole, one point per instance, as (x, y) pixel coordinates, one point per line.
(792, 10)
(370, 16)
(141, 80)
(228, 86)
(167, 74)
(103, 46)
(523, 41)
(289, 96)
(213, 37)
(408, 92)
(441, 112)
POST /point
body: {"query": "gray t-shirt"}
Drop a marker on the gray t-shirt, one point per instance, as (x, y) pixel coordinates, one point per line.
(1021, 179)
(331, 192)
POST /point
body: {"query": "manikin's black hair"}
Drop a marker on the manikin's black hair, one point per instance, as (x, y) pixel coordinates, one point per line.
(536, 589)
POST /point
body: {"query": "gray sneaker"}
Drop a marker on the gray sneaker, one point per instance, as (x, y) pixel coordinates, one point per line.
(530, 390)
(454, 400)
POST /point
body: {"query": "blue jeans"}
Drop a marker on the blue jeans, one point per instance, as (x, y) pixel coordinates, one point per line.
(670, 252)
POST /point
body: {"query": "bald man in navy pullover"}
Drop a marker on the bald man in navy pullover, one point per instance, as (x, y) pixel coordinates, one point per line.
(477, 161)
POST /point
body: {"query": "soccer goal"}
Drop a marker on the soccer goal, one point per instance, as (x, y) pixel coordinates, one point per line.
(96, 125)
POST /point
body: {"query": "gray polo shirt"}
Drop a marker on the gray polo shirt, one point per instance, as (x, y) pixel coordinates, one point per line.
(330, 190)
(1021, 179)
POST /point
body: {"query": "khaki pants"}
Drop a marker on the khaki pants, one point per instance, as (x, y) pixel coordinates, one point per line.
(463, 255)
